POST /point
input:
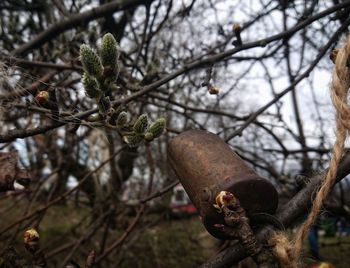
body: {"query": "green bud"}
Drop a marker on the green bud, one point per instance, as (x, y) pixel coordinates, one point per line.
(94, 118)
(90, 60)
(157, 127)
(109, 55)
(133, 140)
(90, 85)
(149, 136)
(122, 119)
(141, 124)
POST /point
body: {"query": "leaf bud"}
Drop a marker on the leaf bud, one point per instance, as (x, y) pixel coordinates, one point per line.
(94, 118)
(31, 240)
(122, 119)
(149, 136)
(109, 55)
(141, 124)
(90, 85)
(213, 90)
(236, 27)
(90, 60)
(157, 127)
(132, 140)
(42, 97)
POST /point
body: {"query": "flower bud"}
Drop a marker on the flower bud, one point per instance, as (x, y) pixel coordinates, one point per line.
(94, 118)
(225, 199)
(236, 27)
(133, 140)
(31, 240)
(157, 127)
(90, 85)
(90, 60)
(109, 55)
(42, 97)
(213, 90)
(122, 119)
(149, 136)
(141, 124)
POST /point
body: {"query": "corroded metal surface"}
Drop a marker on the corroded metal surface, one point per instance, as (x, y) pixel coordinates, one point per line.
(206, 165)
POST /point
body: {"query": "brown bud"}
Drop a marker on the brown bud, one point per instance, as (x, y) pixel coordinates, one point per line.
(31, 240)
(224, 199)
(42, 97)
(236, 27)
(213, 90)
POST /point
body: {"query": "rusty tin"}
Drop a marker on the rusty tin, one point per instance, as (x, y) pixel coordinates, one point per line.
(206, 165)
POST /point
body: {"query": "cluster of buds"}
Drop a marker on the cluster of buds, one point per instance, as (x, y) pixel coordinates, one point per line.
(100, 71)
(141, 130)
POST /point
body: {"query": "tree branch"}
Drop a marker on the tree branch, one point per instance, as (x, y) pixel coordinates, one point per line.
(287, 215)
(12, 135)
(76, 20)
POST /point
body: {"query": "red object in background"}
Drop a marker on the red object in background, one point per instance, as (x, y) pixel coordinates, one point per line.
(187, 209)
(180, 202)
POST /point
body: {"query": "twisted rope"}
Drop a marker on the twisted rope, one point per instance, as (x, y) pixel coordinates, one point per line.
(287, 253)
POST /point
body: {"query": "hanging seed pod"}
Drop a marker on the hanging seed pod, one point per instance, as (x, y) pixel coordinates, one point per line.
(109, 55)
(90, 60)
(90, 85)
(209, 171)
(157, 127)
(141, 124)
(122, 119)
(133, 140)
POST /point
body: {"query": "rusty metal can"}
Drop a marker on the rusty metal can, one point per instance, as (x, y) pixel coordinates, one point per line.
(206, 165)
